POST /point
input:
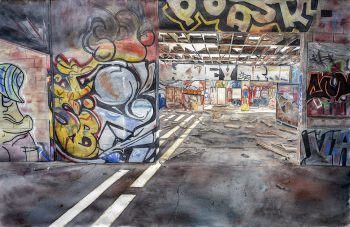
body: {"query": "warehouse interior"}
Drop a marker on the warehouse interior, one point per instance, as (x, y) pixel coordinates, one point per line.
(241, 71)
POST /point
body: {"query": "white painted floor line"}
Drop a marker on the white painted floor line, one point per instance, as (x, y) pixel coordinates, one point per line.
(180, 117)
(178, 142)
(168, 118)
(114, 211)
(168, 134)
(87, 200)
(146, 175)
(161, 116)
(152, 169)
(189, 118)
(208, 107)
(172, 131)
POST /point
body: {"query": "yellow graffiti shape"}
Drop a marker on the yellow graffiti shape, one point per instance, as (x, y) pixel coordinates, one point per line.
(75, 127)
(247, 14)
(73, 67)
(183, 13)
(77, 135)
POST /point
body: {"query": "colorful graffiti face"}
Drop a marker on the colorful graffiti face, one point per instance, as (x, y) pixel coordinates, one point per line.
(105, 109)
(16, 143)
(239, 16)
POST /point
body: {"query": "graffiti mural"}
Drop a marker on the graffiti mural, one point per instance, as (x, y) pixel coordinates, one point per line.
(198, 72)
(104, 104)
(262, 94)
(287, 98)
(238, 16)
(326, 147)
(16, 141)
(328, 80)
(264, 73)
(187, 94)
(244, 72)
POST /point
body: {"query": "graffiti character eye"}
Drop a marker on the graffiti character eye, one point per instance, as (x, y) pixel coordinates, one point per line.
(86, 141)
(334, 81)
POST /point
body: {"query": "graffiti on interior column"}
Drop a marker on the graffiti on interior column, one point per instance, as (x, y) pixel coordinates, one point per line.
(239, 16)
(326, 147)
(328, 80)
(16, 142)
(287, 98)
(105, 109)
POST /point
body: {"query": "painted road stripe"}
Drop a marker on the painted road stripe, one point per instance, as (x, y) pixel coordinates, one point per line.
(172, 131)
(114, 211)
(87, 200)
(161, 116)
(171, 116)
(180, 117)
(152, 169)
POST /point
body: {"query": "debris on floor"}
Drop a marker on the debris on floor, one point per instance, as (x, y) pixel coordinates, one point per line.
(265, 135)
(280, 186)
(245, 155)
(272, 148)
(232, 126)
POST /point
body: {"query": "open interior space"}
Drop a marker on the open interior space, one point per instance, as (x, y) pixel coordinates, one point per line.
(174, 113)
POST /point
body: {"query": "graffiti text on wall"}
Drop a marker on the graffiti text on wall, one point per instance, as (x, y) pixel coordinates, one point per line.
(328, 83)
(239, 16)
(328, 147)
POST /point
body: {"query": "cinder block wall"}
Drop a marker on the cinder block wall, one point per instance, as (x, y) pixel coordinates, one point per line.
(31, 141)
(332, 24)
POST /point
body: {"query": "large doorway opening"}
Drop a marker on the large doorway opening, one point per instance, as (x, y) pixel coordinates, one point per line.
(246, 86)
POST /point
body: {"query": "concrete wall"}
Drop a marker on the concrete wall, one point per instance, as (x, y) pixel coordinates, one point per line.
(24, 112)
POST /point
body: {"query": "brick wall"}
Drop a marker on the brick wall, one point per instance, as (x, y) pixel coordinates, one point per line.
(331, 28)
(35, 95)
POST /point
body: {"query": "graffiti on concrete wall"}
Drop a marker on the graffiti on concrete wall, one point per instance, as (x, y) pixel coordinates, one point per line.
(328, 86)
(262, 94)
(238, 16)
(17, 143)
(263, 73)
(244, 72)
(287, 98)
(198, 72)
(326, 147)
(104, 108)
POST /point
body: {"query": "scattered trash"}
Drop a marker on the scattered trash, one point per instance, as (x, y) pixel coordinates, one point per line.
(249, 126)
(232, 126)
(234, 119)
(279, 186)
(253, 121)
(271, 148)
(245, 155)
(267, 124)
(265, 135)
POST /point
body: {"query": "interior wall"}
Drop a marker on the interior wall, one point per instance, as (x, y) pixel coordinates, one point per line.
(24, 112)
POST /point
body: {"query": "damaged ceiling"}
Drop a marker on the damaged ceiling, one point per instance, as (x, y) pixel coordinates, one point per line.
(235, 48)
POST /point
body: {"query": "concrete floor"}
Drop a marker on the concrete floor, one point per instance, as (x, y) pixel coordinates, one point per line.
(217, 177)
